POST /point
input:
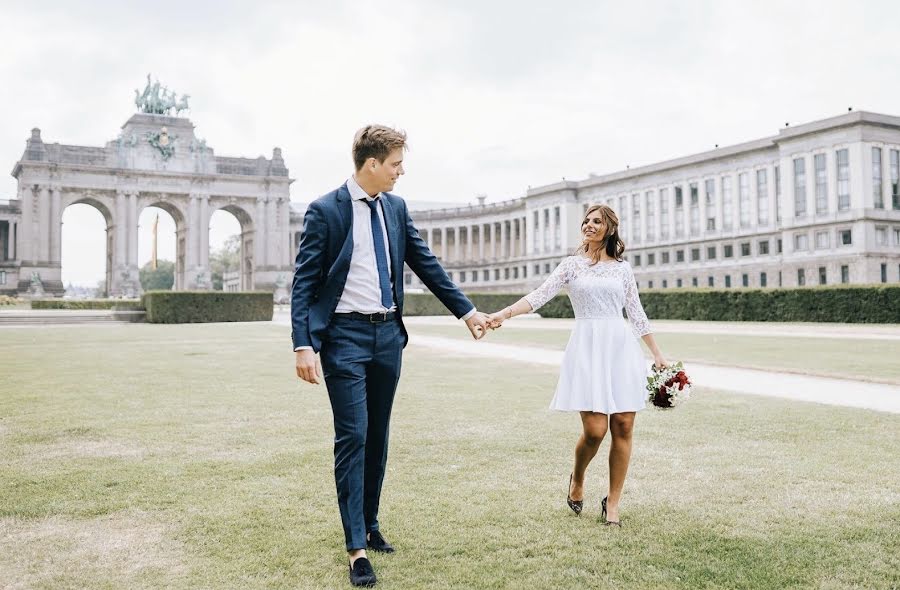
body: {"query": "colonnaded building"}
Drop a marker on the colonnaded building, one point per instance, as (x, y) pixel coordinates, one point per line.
(815, 204)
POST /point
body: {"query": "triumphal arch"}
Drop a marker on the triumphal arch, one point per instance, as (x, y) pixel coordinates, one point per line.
(157, 160)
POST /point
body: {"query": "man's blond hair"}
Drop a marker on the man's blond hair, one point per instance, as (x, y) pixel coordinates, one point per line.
(376, 141)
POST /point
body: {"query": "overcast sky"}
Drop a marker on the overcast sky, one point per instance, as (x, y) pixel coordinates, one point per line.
(495, 96)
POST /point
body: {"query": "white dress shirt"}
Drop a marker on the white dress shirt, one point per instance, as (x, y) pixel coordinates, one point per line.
(362, 291)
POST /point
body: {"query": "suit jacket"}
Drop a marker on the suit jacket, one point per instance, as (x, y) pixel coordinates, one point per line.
(323, 262)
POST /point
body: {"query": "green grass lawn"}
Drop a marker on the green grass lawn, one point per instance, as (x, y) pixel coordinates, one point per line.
(869, 360)
(147, 456)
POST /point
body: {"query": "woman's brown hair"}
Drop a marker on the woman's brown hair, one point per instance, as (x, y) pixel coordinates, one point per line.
(611, 242)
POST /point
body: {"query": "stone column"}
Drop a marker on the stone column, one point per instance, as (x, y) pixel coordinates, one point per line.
(259, 232)
(191, 229)
(203, 258)
(120, 233)
(457, 244)
(132, 229)
(55, 226)
(271, 228)
(481, 241)
(24, 237)
(504, 240)
(492, 253)
(44, 224)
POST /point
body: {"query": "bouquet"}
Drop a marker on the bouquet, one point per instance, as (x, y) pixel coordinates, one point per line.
(669, 386)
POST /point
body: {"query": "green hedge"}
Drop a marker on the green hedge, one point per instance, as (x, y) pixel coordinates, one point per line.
(185, 307)
(873, 304)
(113, 304)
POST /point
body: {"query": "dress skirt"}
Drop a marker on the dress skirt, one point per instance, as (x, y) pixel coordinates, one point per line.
(603, 369)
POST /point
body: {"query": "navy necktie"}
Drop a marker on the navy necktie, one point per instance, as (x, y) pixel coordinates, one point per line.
(384, 277)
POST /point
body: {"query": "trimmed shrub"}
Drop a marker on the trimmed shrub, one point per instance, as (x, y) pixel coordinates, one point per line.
(872, 304)
(112, 304)
(187, 307)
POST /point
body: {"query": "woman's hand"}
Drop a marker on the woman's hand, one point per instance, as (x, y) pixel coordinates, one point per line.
(496, 319)
(659, 361)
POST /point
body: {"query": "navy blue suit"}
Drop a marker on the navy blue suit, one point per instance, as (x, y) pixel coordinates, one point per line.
(360, 360)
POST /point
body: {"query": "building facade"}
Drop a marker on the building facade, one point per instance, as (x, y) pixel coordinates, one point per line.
(815, 204)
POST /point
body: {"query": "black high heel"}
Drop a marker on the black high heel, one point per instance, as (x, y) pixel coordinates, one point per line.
(575, 505)
(603, 514)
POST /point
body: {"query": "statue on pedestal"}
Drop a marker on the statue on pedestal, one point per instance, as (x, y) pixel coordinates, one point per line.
(35, 286)
(281, 294)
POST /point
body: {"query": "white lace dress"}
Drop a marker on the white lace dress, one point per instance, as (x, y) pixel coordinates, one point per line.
(603, 368)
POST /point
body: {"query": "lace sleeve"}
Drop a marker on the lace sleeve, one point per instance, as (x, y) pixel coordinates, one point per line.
(560, 277)
(640, 325)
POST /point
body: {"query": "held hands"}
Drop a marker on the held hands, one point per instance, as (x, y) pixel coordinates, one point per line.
(478, 325)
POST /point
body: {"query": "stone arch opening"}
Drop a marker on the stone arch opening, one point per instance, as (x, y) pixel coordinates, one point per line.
(172, 238)
(231, 240)
(86, 247)
(156, 235)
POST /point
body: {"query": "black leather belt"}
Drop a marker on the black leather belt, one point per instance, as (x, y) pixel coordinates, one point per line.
(374, 318)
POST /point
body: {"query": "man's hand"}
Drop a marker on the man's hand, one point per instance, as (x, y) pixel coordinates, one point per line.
(478, 325)
(307, 368)
(495, 320)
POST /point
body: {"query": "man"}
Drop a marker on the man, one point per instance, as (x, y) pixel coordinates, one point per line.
(347, 305)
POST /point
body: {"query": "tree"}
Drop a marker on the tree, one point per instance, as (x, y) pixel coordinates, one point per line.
(225, 259)
(160, 279)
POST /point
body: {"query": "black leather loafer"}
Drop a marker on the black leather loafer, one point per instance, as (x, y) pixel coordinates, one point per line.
(377, 542)
(362, 573)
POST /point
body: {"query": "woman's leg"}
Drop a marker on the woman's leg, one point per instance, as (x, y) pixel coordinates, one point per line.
(594, 426)
(621, 426)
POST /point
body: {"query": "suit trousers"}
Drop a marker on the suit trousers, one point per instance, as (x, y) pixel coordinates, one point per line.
(361, 364)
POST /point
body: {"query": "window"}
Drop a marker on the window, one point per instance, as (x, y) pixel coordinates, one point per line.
(679, 255)
(537, 270)
(763, 247)
(407, 278)
(845, 274)
(823, 275)
(678, 283)
(651, 259)
(726, 203)
(728, 251)
(486, 275)
(896, 237)
(695, 254)
(679, 212)
(895, 178)
(710, 190)
(881, 236)
(695, 209)
(711, 253)
(745, 249)
(843, 179)
(462, 276)
(745, 280)
(744, 198)
(450, 275)
(497, 273)
(665, 283)
(663, 213)
(883, 272)
(727, 281)
(506, 273)
(650, 203)
(694, 282)
(665, 258)
(777, 193)
(546, 229)
(822, 240)
(623, 211)
(558, 233)
(637, 260)
(801, 243)
(524, 272)
(515, 272)
(799, 187)
(821, 184)
(2, 277)
(801, 277)
(546, 269)
(846, 237)
(710, 282)
(762, 279)
(877, 194)
(762, 197)
(535, 231)
(779, 247)
(649, 284)
(636, 218)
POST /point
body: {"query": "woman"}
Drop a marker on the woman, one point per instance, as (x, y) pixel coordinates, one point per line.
(603, 372)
